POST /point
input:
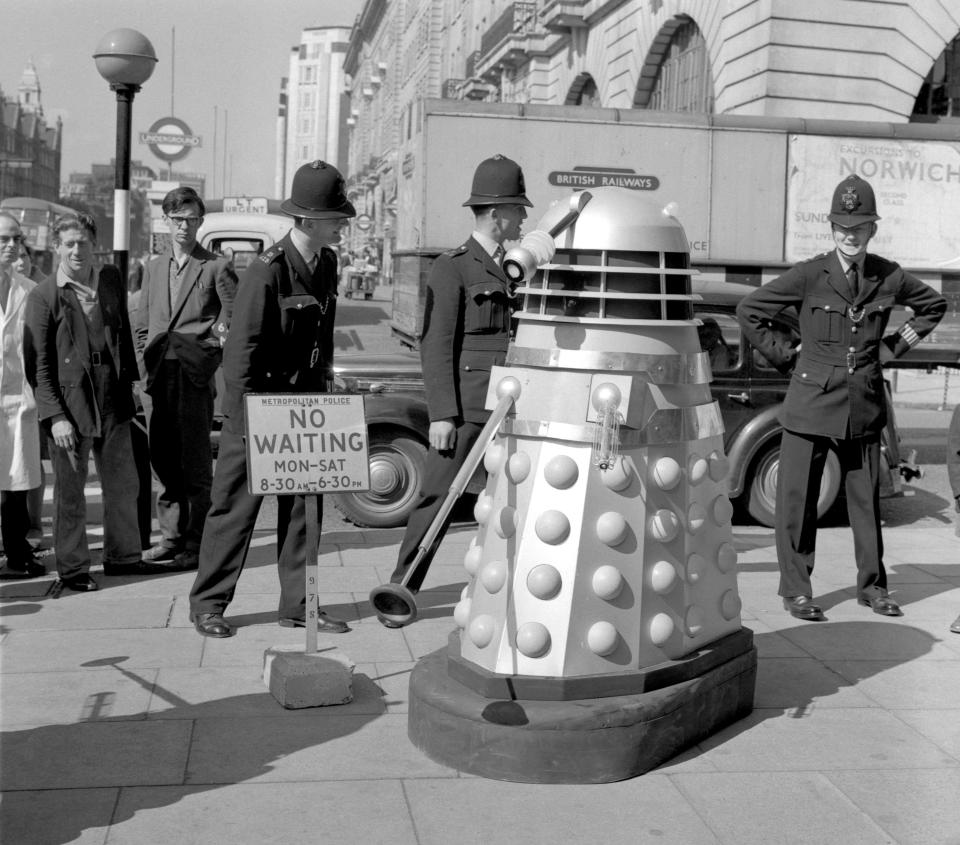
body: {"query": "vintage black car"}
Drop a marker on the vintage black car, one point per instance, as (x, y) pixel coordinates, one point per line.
(747, 388)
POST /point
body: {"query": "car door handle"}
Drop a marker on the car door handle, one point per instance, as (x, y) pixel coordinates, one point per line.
(742, 398)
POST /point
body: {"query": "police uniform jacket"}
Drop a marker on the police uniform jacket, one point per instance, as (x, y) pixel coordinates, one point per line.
(193, 326)
(466, 329)
(836, 389)
(57, 357)
(281, 329)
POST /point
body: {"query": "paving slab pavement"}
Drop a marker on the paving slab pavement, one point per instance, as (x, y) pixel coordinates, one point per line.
(122, 725)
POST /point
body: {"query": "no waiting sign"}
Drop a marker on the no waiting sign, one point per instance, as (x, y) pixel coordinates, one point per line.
(306, 443)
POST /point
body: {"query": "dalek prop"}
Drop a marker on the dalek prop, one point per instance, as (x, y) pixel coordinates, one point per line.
(600, 631)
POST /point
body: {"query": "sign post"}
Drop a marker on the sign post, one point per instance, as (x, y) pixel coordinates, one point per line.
(306, 444)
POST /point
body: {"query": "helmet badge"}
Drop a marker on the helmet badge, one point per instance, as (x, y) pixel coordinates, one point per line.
(850, 200)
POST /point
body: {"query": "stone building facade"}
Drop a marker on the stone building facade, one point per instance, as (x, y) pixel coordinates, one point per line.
(864, 61)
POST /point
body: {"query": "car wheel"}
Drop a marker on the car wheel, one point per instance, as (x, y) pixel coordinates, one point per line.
(396, 475)
(762, 486)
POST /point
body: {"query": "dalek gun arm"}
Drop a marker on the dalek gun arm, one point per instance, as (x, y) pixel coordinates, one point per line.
(538, 247)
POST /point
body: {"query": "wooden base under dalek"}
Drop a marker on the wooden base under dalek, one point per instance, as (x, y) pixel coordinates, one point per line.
(307, 444)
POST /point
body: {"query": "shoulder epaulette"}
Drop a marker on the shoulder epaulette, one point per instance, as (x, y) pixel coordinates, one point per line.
(268, 256)
(460, 250)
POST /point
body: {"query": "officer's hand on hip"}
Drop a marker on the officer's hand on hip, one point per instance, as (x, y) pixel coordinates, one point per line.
(443, 435)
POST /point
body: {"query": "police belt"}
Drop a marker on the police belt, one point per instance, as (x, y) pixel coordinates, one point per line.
(848, 360)
(484, 343)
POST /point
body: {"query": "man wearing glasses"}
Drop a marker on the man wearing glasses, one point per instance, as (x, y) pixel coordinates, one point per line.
(180, 327)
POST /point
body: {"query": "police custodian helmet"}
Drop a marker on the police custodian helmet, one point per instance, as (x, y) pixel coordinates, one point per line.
(853, 203)
(319, 193)
(497, 181)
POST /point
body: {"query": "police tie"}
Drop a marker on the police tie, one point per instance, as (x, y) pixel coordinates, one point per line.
(853, 277)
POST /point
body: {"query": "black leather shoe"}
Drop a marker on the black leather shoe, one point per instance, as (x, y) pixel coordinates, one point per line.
(325, 624)
(23, 569)
(802, 607)
(139, 567)
(185, 562)
(81, 583)
(882, 605)
(212, 625)
(159, 553)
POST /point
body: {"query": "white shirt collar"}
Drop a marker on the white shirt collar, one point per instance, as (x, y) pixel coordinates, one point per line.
(846, 263)
(489, 245)
(63, 280)
(302, 243)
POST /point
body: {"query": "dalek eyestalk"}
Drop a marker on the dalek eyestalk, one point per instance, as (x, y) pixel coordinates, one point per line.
(538, 247)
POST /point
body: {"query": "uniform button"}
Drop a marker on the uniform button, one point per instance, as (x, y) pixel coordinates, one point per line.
(467, 368)
(803, 375)
(853, 348)
(826, 307)
(66, 360)
(854, 329)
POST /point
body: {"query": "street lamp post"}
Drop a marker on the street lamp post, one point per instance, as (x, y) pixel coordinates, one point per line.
(125, 58)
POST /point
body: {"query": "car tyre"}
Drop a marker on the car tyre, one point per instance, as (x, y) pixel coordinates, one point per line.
(762, 486)
(397, 462)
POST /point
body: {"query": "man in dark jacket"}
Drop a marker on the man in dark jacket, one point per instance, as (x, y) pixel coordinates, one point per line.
(835, 399)
(280, 340)
(179, 328)
(466, 329)
(79, 359)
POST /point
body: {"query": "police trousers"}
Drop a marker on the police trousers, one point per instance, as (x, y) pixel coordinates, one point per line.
(802, 457)
(440, 470)
(229, 529)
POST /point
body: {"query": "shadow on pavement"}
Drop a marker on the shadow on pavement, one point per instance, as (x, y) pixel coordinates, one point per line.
(79, 757)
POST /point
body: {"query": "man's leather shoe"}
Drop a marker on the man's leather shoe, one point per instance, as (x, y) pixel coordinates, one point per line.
(81, 583)
(159, 553)
(138, 567)
(802, 607)
(212, 625)
(185, 562)
(325, 624)
(955, 627)
(29, 568)
(883, 605)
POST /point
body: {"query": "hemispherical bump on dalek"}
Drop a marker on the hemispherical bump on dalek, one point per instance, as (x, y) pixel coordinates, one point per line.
(613, 588)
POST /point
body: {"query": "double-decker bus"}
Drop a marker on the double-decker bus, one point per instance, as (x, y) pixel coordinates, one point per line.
(36, 221)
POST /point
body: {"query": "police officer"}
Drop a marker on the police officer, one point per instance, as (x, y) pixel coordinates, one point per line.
(280, 340)
(466, 328)
(836, 398)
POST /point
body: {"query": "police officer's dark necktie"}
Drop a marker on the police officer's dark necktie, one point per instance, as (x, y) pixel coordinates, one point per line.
(853, 277)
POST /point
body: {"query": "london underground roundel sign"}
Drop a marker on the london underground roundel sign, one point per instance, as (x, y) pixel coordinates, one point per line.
(170, 139)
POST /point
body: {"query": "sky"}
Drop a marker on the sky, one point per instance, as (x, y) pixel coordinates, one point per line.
(229, 54)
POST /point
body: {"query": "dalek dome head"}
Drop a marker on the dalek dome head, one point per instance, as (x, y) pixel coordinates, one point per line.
(618, 219)
(623, 257)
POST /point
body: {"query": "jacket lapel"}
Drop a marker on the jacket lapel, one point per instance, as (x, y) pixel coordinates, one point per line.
(870, 280)
(76, 324)
(837, 278)
(486, 260)
(190, 275)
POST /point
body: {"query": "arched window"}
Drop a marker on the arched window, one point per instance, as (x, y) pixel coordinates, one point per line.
(676, 75)
(939, 96)
(583, 92)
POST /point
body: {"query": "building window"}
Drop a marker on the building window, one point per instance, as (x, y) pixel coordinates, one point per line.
(939, 96)
(583, 92)
(683, 80)
(308, 74)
